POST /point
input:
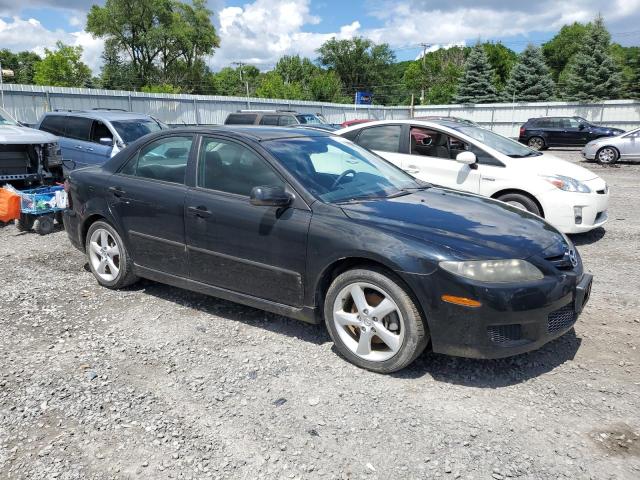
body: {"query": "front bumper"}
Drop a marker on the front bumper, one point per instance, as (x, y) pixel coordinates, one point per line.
(560, 208)
(589, 151)
(512, 320)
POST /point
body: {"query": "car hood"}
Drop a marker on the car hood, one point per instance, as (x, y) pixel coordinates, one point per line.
(15, 134)
(473, 226)
(547, 164)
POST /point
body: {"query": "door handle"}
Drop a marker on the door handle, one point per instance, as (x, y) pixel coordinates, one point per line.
(200, 211)
(117, 191)
(90, 149)
(79, 147)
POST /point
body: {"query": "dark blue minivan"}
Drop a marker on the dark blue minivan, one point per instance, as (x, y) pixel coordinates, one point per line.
(91, 137)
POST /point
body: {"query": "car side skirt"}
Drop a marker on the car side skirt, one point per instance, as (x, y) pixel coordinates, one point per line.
(305, 314)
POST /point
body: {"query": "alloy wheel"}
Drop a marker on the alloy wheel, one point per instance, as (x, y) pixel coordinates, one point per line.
(536, 143)
(606, 155)
(368, 321)
(104, 255)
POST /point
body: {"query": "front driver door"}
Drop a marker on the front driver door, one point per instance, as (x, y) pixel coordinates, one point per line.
(147, 198)
(254, 250)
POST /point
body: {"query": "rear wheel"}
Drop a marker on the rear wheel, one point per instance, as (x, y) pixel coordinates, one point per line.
(43, 225)
(373, 321)
(537, 143)
(24, 223)
(522, 202)
(607, 156)
(108, 258)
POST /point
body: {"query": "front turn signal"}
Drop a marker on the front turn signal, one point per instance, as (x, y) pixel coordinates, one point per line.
(465, 302)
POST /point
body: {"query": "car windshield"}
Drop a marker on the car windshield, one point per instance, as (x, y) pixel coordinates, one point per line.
(336, 170)
(504, 145)
(5, 118)
(131, 130)
(308, 118)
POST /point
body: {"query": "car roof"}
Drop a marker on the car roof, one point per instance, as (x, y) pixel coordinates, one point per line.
(256, 132)
(99, 114)
(412, 121)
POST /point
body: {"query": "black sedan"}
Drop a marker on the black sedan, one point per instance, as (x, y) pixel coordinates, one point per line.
(312, 226)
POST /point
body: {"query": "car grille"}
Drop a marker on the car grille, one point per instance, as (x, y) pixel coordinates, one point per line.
(561, 262)
(505, 333)
(561, 319)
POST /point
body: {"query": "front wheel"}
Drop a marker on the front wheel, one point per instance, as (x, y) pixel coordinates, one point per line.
(373, 321)
(109, 260)
(522, 202)
(607, 156)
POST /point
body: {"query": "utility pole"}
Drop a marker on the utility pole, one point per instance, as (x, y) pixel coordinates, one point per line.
(246, 83)
(424, 68)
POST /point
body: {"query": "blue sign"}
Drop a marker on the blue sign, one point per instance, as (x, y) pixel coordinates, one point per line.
(364, 98)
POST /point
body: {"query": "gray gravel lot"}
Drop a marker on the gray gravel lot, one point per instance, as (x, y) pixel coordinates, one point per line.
(155, 382)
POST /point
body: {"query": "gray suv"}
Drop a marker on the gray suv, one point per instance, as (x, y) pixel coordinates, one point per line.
(91, 137)
(273, 118)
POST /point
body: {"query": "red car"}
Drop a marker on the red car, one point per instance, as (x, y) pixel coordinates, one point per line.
(349, 123)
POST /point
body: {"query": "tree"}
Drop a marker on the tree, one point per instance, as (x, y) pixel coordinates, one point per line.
(632, 83)
(502, 60)
(439, 73)
(476, 84)
(359, 63)
(229, 81)
(273, 86)
(592, 74)
(163, 88)
(22, 63)
(560, 49)
(165, 40)
(529, 80)
(62, 67)
(294, 69)
(116, 73)
(327, 87)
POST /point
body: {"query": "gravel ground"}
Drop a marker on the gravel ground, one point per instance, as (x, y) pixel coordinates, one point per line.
(155, 382)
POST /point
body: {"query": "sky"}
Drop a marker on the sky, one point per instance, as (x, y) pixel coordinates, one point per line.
(259, 32)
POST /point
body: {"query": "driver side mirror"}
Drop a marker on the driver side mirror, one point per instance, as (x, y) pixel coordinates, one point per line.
(106, 141)
(467, 158)
(266, 196)
(582, 126)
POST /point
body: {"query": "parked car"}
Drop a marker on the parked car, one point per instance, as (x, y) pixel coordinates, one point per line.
(438, 118)
(272, 118)
(545, 132)
(27, 156)
(309, 225)
(477, 160)
(608, 150)
(356, 121)
(91, 137)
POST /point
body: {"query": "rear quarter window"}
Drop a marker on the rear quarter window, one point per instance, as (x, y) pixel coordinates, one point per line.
(241, 119)
(78, 128)
(53, 124)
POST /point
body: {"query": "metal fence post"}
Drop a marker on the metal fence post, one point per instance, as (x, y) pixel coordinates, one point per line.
(130, 102)
(195, 111)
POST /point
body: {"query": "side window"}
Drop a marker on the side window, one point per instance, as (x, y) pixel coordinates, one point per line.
(287, 120)
(269, 120)
(240, 119)
(570, 123)
(78, 128)
(384, 138)
(53, 124)
(100, 130)
(230, 167)
(165, 159)
(431, 143)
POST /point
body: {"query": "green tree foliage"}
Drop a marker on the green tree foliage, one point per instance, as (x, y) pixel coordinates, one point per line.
(476, 83)
(294, 69)
(628, 60)
(529, 80)
(327, 87)
(232, 81)
(62, 67)
(502, 60)
(116, 73)
(163, 88)
(359, 63)
(22, 63)
(165, 40)
(592, 74)
(439, 74)
(560, 49)
(272, 85)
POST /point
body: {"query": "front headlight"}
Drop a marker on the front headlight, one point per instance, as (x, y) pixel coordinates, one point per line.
(494, 271)
(567, 184)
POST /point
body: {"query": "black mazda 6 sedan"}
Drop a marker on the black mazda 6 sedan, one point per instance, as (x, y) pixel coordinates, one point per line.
(309, 225)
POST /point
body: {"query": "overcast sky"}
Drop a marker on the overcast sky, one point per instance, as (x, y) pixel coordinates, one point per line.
(260, 31)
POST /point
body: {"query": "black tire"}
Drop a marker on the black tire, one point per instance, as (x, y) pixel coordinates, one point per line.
(520, 200)
(58, 217)
(125, 275)
(416, 333)
(43, 225)
(537, 143)
(607, 155)
(24, 223)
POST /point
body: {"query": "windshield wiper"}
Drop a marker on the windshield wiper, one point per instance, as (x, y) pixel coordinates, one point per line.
(530, 154)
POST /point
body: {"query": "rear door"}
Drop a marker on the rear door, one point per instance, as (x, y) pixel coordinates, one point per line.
(572, 134)
(147, 198)
(388, 141)
(630, 146)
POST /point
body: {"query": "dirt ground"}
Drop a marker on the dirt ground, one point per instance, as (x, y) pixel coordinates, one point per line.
(156, 382)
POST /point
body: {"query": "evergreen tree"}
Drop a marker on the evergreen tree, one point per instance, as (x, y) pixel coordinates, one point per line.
(529, 80)
(476, 84)
(632, 87)
(592, 74)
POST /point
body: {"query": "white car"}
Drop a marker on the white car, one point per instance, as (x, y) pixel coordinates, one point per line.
(470, 158)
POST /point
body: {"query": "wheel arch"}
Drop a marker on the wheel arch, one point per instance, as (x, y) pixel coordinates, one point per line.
(506, 191)
(86, 225)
